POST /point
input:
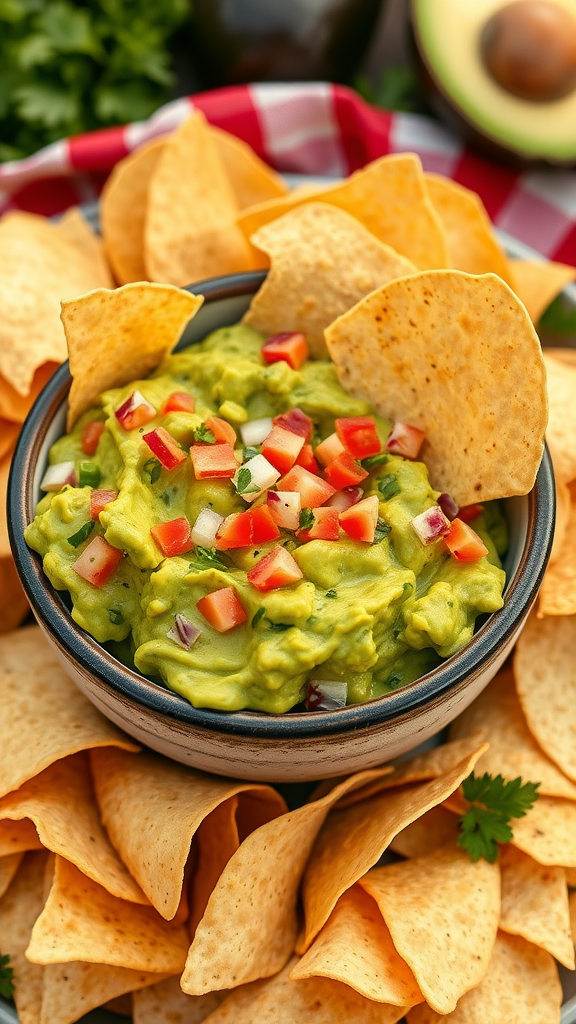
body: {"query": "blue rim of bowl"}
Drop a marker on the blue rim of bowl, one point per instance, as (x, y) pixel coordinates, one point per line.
(483, 649)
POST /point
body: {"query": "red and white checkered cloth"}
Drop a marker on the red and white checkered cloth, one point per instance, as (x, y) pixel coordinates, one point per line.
(308, 128)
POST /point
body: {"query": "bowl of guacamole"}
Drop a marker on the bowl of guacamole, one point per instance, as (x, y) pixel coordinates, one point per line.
(247, 568)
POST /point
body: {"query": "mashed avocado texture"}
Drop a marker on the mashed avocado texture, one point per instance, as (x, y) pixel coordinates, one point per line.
(376, 615)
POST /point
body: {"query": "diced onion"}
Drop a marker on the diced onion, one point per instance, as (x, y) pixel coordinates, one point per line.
(326, 695)
(346, 498)
(183, 632)
(262, 476)
(448, 506)
(430, 525)
(285, 508)
(206, 527)
(255, 431)
(56, 477)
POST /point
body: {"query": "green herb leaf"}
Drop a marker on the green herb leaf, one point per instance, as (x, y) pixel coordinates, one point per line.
(204, 435)
(279, 627)
(494, 803)
(244, 482)
(375, 460)
(251, 451)
(151, 471)
(82, 534)
(388, 487)
(6, 975)
(115, 616)
(331, 593)
(398, 89)
(559, 318)
(306, 519)
(206, 558)
(89, 474)
(382, 530)
(259, 615)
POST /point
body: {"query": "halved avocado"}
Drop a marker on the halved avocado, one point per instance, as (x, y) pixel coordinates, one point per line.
(450, 35)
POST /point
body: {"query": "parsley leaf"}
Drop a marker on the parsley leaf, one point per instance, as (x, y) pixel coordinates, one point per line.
(388, 487)
(6, 973)
(251, 451)
(307, 519)
(494, 803)
(244, 482)
(382, 530)
(206, 558)
(258, 615)
(204, 435)
(81, 535)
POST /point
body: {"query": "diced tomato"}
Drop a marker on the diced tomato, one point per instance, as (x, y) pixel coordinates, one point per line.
(329, 449)
(91, 435)
(405, 440)
(463, 544)
(344, 472)
(135, 412)
(221, 429)
(291, 347)
(275, 570)
(306, 459)
(359, 436)
(312, 489)
(99, 500)
(97, 562)
(179, 401)
(222, 609)
(324, 527)
(165, 448)
(296, 421)
(263, 526)
(344, 499)
(468, 513)
(235, 532)
(213, 461)
(359, 521)
(282, 448)
(173, 538)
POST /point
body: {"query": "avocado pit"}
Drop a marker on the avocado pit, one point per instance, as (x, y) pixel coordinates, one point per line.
(529, 48)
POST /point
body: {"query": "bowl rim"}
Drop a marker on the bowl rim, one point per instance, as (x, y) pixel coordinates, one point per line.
(76, 644)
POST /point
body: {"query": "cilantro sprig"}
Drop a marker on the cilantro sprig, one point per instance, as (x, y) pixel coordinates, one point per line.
(206, 558)
(204, 435)
(244, 483)
(6, 978)
(493, 804)
(306, 519)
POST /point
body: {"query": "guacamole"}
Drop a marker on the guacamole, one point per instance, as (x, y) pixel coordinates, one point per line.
(373, 614)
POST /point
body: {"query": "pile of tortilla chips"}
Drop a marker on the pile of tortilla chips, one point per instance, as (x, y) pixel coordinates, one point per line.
(129, 881)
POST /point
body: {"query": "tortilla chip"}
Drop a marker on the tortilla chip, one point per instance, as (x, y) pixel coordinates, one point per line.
(472, 243)
(8, 867)
(82, 921)
(561, 429)
(39, 266)
(17, 837)
(521, 987)
(535, 904)
(14, 605)
(434, 829)
(282, 1001)
(252, 180)
(117, 336)
(497, 714)
(548, 832)
(442, 911)
(249, 928)
(563, 506)
(323, 263)
(151, 808)
(537, 283)
(216, 841)
(123, 211)
(60, 801)
(44, 717)
(166, 1003)
(19, 909)
(572, 907)
(71, 990)
(5, 549)
(8, 434)
(74, 226)
(558, 591)
(353, 840)
(15, 407)
(545, 673)
(191, 231)
(571, 877)
(356, 948)
(562, 355)
(458, 357)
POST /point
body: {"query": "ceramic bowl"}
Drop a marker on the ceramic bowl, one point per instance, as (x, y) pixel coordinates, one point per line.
(279, 748)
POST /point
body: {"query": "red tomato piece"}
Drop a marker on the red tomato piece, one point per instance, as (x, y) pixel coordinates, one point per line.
(325, 526)
(312, 489)
(263, 526)
(135, 412)
(275, 570)
(179, 401)
(222, 609)
(91, 435)
(296, 421)
(306, 459)
(359, 436)
(213, 461)
(235, 532)
(99, 500)
(344, 472)
(359, 521)
(97, 562)
(173, 538)
(282, 448)
(221, 429)
(165, 448)
(405, 440)
(291, 347)
(468, 513)
(463, 544)
(329, 449)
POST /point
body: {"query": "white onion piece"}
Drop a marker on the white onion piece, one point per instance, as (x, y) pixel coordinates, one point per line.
(345, 499)
(326, 695)
(448, 505)
(284, 507)
(56, 477)
(183, 632)
(135, 401)
(262, 476)
(430, 525)
(206, 527)
(255, 431)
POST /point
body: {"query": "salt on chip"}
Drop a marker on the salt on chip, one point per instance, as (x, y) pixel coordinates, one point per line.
(14, 605)
(166, 1003)
(44, 716)
(458, 357)
(521, 987)
(8, 867)
(545, 673)
(191, 230)
(558, 591)
(19, 909)
(73, 989)
(535, 904)
(123, 211)
(561, 429)
(428, 833)
(117, 336)
(323, 262)
(18, 836)
(251, 179)
(537, 283)
(472, 243)
(15, 407)
(355, 947)
(389, 197)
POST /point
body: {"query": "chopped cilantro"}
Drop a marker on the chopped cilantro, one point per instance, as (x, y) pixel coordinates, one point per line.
(82, 534)
(259, 614)
(375, 460)
(204, 435)
(251, 451)
(388, 487)
(151, 471)
(115, 616)
(6, 974)
(307, 519)
(493, 804)
(382, 530)
(331, 593)
(206, 558)
(244, 482)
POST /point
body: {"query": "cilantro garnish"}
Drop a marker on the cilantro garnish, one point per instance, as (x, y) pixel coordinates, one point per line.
(244, 482)
(204, 435)
(116, 617)
(375, 460)
(256, 618)
(494, 803)
(251, 451)
(388, 486)
(151, 471)
(82, 534)
(206, 558)
(331, 593)
(6, 975)
(382, 530)
(306, 519)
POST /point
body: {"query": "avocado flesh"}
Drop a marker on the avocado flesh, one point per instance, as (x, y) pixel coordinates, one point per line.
(448, 37)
